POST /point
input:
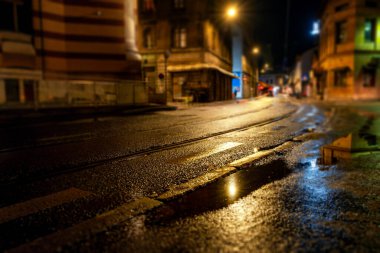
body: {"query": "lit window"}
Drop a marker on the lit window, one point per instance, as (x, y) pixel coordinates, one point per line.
(369, 77)
(179, 4)
(148, 38)
(16, 16)
(341, 32)
(180, 37)
(370, 30)
(341, 78)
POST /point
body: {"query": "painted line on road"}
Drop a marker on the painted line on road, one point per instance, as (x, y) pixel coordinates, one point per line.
(309, 136)
(103, 222)
(251, 158)
(195, 183)
(82, 230)
(218, 149)
(39, 204)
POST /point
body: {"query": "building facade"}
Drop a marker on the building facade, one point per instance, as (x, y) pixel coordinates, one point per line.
(349, 65)
(184, 51)
(55, 52)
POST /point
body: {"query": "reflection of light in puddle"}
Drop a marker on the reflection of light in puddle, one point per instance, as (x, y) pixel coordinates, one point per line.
(313, 164)
(348, 147)
(232, 188)
(316, 185)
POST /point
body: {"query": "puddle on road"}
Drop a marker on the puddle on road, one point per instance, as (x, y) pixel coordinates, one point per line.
(348, 147)
(220, 193)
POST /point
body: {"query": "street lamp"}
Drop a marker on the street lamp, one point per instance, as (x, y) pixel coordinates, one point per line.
(166, 55)
(231, 12)
(237, 50)
(256, 52)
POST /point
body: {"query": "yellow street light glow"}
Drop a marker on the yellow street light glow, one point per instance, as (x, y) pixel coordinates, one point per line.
(231, 11)
(256, 50)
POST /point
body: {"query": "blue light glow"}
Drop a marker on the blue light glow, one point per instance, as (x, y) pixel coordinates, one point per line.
(316, 29)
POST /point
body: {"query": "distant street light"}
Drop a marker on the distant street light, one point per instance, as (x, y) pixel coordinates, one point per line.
(231, 12)
(256, 50)
(316, 29)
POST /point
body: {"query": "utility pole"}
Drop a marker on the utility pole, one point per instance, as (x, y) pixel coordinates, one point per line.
(286, 42)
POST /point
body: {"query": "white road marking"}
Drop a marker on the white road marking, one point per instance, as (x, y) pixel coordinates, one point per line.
(42, 203)
(92, 226)
(220, 148)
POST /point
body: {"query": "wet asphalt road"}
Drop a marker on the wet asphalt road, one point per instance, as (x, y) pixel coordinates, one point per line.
(284, 203)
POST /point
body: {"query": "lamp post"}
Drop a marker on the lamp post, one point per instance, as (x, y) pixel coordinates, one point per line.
(166, 55)
(237, 50)
(256, 52)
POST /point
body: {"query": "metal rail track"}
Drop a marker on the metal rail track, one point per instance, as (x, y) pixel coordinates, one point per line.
(61, 140)
(154, 149)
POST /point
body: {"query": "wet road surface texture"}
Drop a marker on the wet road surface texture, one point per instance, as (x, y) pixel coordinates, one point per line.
(286, 202)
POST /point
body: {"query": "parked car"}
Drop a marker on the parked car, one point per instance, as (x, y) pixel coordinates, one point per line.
(265, 89)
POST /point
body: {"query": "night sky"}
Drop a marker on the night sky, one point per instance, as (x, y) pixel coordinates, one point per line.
(264, 23)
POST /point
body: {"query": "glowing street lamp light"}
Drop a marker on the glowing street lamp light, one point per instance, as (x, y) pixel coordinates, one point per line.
(231, 12)
(256, 50)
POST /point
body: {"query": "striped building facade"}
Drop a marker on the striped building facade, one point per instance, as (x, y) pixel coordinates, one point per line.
(62, 51)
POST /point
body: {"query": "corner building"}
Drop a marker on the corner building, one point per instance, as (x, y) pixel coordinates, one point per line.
(65, 52)
(185, 49)
(350, 50)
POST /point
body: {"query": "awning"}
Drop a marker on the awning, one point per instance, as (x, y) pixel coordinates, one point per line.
(200, 66)
(345, 68)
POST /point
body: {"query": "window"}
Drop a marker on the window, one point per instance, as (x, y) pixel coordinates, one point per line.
(341, 32)
(369, 77)
(148, 38)
(29, 90)
(180, 37)
(148, 5)
(370, 30)
(179, 4)
(341, 78)
(341, 7)
(16, 16)
(12, 90)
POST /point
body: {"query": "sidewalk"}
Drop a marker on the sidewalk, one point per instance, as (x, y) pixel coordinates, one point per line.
(184, 105)
(9, 116)
(17, 116)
